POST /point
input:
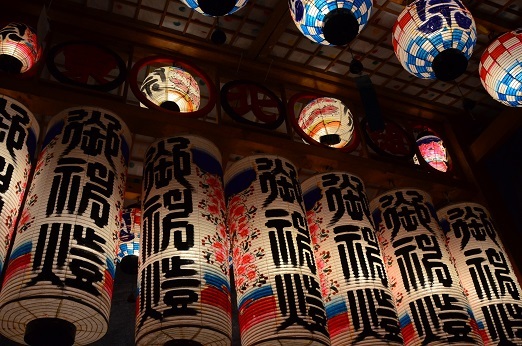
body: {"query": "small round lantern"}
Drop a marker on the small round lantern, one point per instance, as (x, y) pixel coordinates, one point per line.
(330, 22)
(501, 69)
(19, 48)
(433, 151)
(128, 242)
(434, 39)
(172, 88)
(215, 8)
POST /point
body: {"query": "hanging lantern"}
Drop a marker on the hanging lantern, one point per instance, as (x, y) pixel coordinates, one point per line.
(215, 8)
(172, 88)
(501, 69)
(330, 22)
(128, 242)
(183, 279)
(354, 285)
(328, 121)
(431, 304)
(58, 284)
(19, 48)
(18, 137)
(432, 150)
(275, 275)
(434, 39)
(485, 272)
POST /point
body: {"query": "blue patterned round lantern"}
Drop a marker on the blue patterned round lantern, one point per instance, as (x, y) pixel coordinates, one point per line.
(330, 22)
(215, 8)
(434, 39)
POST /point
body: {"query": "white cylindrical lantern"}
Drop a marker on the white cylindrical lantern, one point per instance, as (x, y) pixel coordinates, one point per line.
(358, 301)
(275, 275)
(58, 283)
(19, 132)
(485, 272)
(431, 304)
(19, 48)
(183, 279)
(128, 242)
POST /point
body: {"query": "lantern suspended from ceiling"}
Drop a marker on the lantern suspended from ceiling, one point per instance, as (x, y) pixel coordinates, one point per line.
(330, 22)
(433, 151)
(215, 8)
(19, 48)
(172, 88)
(434, 39)
(501, 69)
(327, 121)
(58, 283)
(128, 242)
(485, 271)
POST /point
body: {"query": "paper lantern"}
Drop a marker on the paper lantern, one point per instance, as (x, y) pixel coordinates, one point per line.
(327, 121)
(128, 242)
(433, 151)
(485, 272)
(354, 285)
(215, 8)
(172, 88)
(183, 279)
(58, 283)
(18, 137)
(430, 302)
(500, 69)
(434, 39)
(275, 275)
(330, 22)
(19, 48)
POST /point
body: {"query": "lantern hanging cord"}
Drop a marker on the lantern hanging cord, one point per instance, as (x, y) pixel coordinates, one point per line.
(464, 98)
(269, 67)
(239, 63)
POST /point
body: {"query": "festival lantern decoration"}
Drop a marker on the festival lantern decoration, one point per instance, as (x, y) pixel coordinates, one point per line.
(19, 48)
(485, 272)
(215, 8)
(430, 302)
(58, 284)
(330, 22)
(354, 284)
(128, 242)
(327, 121)
(500, 69)
(183, 279)
(18, 137)
(434, 39)
(275, 275)
(432, 150)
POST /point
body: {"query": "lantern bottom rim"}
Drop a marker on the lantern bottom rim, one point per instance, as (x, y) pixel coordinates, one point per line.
(217, 8)
(340, 27)
(10, 64)
(182, 342)
(50, 331)
(449, 64)
(330, 139)
(129, 264)
(170, 105)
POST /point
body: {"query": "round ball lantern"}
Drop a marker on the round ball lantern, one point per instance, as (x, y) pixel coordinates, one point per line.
(330, 22)
(128, 242)
(172, 88)
(501, 69)
(434, 39)
(215, 8)
(433, 151)
(19, 48)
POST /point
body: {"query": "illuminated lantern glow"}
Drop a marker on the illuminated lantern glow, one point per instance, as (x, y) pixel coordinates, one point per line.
(485, 272)
(215, 8)
(500, 69)
(58, 283)
(327, 121)
(434, 39)
(172, 88)
(275, 275)
(183, 278)
(354, 284)
(19, 48)
(18, 139)
(330, 22)
(128, 242)
(430, 302)
(433, 151)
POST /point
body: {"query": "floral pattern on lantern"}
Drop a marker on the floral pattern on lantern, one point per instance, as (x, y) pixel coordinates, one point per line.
(330, 22)
(501, 69)
(172, 88)
(327, 121)
(434, 39)
(215, 8)
(485, 271)
(19, 48)
(128, 242)
(433, 151)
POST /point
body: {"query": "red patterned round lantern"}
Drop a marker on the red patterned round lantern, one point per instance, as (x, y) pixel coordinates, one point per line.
(128, 242)
(19, 48)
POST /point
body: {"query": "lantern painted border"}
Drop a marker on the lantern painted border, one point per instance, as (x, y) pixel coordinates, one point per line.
(351, 146)
(133, 81)
(53, 69)
(379, 151)
(230, 111)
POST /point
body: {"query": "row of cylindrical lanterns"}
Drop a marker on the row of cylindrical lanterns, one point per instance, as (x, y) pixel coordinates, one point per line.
(313, 263)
